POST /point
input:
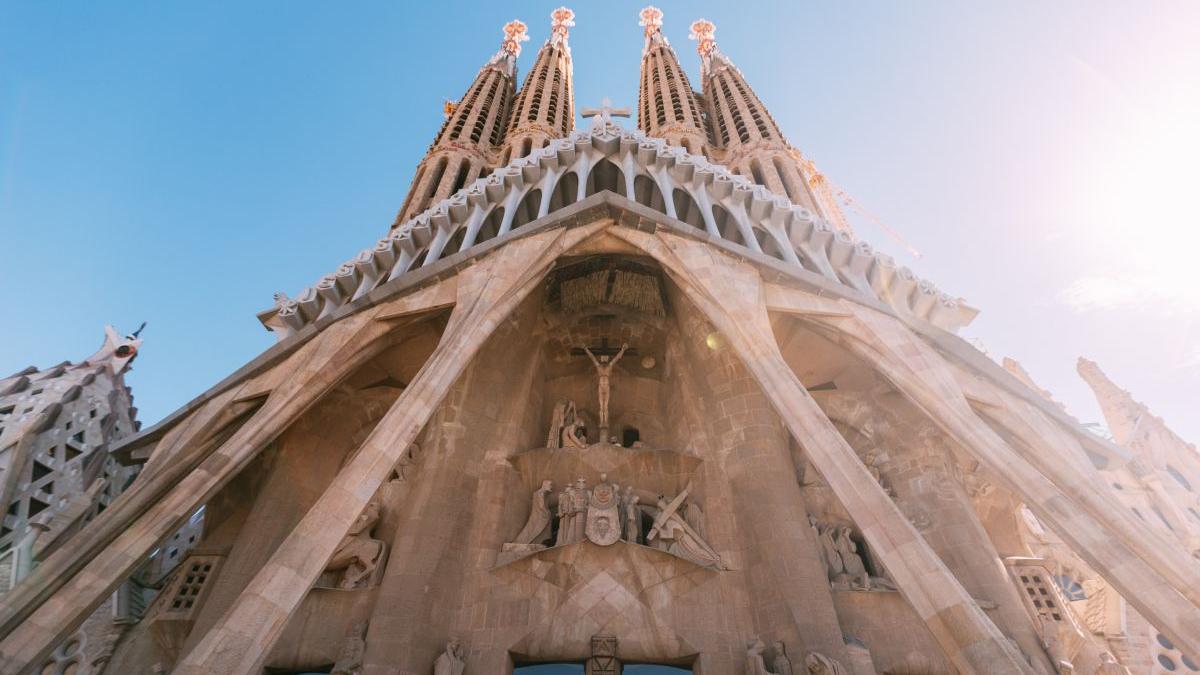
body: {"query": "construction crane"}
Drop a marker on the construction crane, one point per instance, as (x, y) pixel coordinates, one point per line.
(832, 198)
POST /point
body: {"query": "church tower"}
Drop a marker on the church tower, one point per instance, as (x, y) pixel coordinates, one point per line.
(545, 108)
(466, 146)
(749, 140)
(667, 105)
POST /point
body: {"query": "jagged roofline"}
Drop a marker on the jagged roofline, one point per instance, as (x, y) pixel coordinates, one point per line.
(795, 235)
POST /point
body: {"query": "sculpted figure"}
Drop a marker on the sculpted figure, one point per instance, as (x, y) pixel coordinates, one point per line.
(1109, 666)
(819, 664)
(537, 527)
(358, 554)
(782, 664)
(451, 661)
(633, 517)
(672, 534)
(754, 658)
(566, 428)
(579, 506)
(350, 656)
(1055, 648)
(855, 571)
(829, 551)
(566, 500)
(604, 367)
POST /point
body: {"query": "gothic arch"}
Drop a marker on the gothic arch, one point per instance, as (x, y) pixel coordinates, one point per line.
(605, 176)
(646, 193)
(686, 208)
(565, 191)
(491, 225)
(527, 210)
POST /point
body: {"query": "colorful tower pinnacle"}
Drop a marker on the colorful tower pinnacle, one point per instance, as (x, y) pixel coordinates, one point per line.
(667, 105)
(750, 142)
(473, 130)
(545, 108)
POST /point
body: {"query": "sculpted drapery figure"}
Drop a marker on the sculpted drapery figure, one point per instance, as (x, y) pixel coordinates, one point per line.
(672, 534)
(566, 427)
(566, 501)
(633, 517)
(358, 554)
(537, 526)
(781, 663)
(855, 570)
(754, 658)
(451, 661)
(579, 506)
(604, 367)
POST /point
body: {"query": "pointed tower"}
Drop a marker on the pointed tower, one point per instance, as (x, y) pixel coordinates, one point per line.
(1165, 464)
(749, 141)
(55, 471)
(667, 105)
(545, 108)
(474, 129)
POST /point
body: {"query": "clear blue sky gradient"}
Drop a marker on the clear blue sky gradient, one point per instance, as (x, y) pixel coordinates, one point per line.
(179, 162)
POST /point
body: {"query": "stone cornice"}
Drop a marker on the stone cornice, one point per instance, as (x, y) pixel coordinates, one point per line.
(791, 233)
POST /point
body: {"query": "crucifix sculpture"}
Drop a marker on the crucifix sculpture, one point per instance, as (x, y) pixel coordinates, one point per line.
(602, 116)
(603, 358)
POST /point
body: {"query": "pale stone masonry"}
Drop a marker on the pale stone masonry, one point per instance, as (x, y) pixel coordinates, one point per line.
(615, 396)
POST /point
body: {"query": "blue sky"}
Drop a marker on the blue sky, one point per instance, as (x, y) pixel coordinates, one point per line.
(178, 163)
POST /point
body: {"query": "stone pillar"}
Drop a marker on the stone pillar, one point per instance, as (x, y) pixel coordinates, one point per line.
(486, 294)
(788, 588)
(731, 295)
(451, 527)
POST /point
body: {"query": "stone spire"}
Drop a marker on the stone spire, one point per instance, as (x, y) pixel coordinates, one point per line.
(749, 141)
(667, 104)
(1131, 422)
(56, 425)
(545, 108)
(473, 131)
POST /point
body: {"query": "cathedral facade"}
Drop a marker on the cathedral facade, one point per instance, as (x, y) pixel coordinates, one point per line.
(614, 397)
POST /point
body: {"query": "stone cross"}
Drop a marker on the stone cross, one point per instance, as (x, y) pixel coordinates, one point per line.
(603, 115)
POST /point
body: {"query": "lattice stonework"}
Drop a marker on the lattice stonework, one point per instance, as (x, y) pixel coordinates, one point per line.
(188, 588)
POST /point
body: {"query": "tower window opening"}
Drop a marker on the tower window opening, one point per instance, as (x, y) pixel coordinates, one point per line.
(460, 179)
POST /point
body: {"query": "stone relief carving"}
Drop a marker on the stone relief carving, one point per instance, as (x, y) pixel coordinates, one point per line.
(819, 664)
(755, 665)
(537, 526)
(566, 427)
(603, 515)
(672, 534)
(844, 565)
(358, 554)
(781, 663)
(606, 514)
(451, 661)
(350, 656)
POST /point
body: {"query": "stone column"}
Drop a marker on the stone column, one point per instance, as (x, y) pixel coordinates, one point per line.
(731, 296)
(785, 581)
(42, 612)
(487, 293)
(920, 469)
(922, 375)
